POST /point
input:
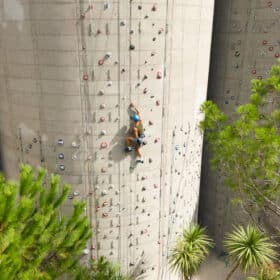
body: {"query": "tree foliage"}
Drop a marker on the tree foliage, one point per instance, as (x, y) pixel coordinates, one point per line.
(190, 251)
(246, 148)
(100, 269)
(248, 248)
(266, 274)
(36, 241)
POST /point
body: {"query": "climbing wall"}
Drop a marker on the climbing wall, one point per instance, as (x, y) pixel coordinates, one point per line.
(245, 46)
(69, 70)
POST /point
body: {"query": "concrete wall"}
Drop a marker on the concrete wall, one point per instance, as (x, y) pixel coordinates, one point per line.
(245, 45)
(57, 102)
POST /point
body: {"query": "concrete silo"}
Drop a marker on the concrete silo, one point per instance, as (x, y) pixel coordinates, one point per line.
(245, 46)
(69, 70)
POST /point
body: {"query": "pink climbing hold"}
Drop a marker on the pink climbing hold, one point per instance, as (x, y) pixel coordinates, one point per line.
(85, 77)
(102, 119)
(159, 75)
(101, 61)
(158, 242)
(269, 4)
(103, 145)
(83, 15)
(156, 140)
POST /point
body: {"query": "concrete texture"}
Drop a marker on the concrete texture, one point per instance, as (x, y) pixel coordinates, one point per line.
(216, 268)
(245, 45)
(56, 99)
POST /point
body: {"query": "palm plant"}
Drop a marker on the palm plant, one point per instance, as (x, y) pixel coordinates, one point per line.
(248, 249)
(190, 251)
(266, 274)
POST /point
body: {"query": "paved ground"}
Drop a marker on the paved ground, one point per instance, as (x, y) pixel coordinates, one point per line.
(216, 268)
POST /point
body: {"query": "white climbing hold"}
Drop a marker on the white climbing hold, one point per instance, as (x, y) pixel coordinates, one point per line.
(86, 251)
(108, 55)
(74, 144)
(104, 192)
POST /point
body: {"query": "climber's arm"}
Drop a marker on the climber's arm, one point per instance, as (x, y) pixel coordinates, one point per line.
(137, 111)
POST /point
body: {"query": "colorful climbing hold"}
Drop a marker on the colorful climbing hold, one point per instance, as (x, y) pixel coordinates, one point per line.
(103, 145)
(100, 61)
(159, 75)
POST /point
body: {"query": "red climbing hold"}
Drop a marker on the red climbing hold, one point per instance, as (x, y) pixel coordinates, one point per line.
(269, 4)
(102, 119)
(264, 42)
(103, 145)
(253, 71)
(85, 77)
(101, 61)
(160, 30)
(277, 55)
(159, 75)
(270, 48)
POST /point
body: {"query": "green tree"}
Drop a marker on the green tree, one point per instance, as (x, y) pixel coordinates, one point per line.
(266, 274)
(246, 148)
(248, 249)
(190, 251)
(36, 241)
(100, 269)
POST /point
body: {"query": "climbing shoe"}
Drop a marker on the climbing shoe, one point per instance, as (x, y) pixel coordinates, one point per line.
(140, 160)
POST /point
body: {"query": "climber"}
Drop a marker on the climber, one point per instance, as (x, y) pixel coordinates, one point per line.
(137, 134)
